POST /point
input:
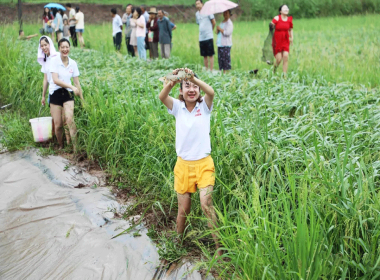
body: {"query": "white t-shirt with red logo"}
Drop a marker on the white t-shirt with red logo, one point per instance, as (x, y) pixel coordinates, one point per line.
(192, 140)
(64, 73)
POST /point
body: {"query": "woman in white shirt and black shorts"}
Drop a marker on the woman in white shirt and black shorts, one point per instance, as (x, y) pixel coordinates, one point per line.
(61, 91)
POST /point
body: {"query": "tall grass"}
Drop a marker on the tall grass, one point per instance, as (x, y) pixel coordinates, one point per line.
(297, 160)
(337, 49)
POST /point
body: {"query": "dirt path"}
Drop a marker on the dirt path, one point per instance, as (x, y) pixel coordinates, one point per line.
(95, 13)
(51, 229)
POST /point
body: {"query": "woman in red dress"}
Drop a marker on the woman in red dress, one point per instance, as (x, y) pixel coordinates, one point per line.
(282, 38)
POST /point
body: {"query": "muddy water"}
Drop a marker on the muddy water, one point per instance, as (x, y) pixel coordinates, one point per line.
(51, 230)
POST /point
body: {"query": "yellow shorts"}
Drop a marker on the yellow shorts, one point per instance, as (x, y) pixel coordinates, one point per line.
(188, 175)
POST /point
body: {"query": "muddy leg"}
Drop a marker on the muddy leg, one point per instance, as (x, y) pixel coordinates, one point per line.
(208, 209)
(56, 113)
(184, 206)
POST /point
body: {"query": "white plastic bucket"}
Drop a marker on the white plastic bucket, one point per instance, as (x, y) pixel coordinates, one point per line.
(42, 128)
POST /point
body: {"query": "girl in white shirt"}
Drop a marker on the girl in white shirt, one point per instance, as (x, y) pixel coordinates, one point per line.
(195, 167)
(63, 69)
(46, 51)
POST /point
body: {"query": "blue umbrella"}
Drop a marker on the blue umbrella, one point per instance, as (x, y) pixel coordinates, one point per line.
(54, 5)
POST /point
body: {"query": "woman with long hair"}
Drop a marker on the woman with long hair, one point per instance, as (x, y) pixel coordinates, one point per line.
(61, 90)
(47, 19)
(140, 32)
(133, 40)
(282, 38)
(46, 52)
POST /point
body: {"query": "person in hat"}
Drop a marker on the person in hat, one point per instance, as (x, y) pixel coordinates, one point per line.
(153, 34)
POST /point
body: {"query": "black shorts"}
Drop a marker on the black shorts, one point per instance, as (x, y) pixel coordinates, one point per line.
(207, 47)
(61, 96)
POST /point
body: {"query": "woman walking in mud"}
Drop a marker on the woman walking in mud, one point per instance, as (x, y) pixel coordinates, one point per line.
(282, 38)
(63, 69)
(195, 167)
(46, 51)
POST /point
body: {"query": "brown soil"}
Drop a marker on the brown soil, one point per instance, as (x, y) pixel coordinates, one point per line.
(94, 13)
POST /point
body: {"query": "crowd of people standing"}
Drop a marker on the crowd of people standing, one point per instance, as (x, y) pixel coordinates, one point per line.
(144, 31)
(57, 25)
(148, 30)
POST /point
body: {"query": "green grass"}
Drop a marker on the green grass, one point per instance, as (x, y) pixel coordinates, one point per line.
(297, 159)
(337, 49)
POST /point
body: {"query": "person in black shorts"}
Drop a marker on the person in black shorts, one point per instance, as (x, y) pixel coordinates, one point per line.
(206, 35)
(63, 69)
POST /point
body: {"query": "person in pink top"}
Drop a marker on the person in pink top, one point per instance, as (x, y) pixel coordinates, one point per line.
(140, 32)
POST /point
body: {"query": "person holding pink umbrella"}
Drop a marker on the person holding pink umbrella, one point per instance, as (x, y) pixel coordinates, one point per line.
(224, 31)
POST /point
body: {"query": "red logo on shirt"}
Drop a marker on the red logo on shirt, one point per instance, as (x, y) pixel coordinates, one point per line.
(71, 70)
(198, 113)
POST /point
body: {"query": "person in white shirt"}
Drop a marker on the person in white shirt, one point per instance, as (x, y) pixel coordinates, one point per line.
(63, 69)
(117, 29)
(145, 13)
(46, 51)
(195, 166)
(79, 26)
(72, 22)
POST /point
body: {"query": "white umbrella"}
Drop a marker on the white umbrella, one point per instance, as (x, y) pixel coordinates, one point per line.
(217, 6)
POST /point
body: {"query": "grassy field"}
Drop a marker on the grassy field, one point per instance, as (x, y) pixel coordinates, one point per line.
(297, 159)
(337, 49)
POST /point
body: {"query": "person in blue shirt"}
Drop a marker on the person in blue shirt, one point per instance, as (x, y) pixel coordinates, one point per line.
(58, 23)
(172, 26)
